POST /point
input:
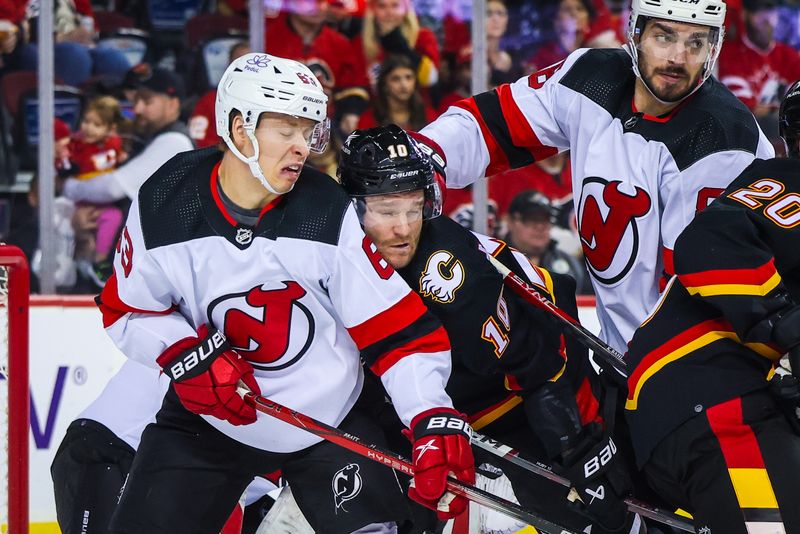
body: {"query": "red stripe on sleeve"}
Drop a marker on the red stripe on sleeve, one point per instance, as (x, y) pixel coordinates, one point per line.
(522, 135)
(756, 276)
(588, 405)
(406, 311)
(113, 308)
(436, 341)
(498, 161)
(738, 443)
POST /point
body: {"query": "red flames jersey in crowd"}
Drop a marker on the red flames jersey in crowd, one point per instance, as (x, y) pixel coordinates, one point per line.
(95, 158)
(330, 56)
(202, 124)
(757, 76)
(303, 296)
(638, 180)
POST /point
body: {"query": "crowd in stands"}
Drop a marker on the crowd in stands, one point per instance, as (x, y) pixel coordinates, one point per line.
(136, 79)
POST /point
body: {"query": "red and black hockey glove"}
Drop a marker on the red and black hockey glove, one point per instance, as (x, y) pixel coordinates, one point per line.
(441, 446)
(205, 372)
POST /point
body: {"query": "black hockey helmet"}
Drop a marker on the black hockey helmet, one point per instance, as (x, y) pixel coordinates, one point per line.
(789, 120)
(386, 160)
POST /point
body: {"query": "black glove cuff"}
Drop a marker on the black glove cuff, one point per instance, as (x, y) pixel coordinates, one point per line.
(786, 331)
(196, 360)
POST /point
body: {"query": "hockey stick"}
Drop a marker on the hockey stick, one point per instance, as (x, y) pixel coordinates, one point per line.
(392, 460)
(512, 455)
(532, 296)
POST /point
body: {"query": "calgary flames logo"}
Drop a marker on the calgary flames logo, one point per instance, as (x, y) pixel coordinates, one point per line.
(442, 277)
(607, 216)
(267, 325)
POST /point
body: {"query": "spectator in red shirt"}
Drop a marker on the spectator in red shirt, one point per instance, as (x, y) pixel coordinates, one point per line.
(398, 99)
(202, 126)
(755, 67)
(97, 149)
(301, 34)
(391, 28)
(12, 16)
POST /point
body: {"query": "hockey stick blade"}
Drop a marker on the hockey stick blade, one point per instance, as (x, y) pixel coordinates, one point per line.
(533, 297)
(392, 460)
(512, 455)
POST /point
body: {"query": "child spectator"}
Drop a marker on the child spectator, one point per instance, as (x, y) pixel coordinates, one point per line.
(391, 28)
(97, 149)
(398, 100)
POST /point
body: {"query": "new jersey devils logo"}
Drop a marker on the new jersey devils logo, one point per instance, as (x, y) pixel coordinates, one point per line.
(607, 216)
(267, 325)
(346, 485)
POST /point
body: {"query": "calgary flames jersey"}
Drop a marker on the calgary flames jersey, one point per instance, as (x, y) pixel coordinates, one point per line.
(710, 339)
(300, 295)
(503, 347)
(637, 179)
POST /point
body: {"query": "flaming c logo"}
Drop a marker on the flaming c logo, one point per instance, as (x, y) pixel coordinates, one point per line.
(607, 217)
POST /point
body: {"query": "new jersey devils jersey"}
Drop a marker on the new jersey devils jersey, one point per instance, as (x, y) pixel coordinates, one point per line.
(300, 296)
(637, 179)
(501, 346)
(711, 336)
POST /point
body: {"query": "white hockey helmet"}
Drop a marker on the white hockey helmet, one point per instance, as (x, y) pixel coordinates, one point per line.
(703, 12)
(257, 83)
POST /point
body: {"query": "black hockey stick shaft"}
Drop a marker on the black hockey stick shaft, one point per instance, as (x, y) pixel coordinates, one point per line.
(512, 455)
(394, 461)
(532, 296)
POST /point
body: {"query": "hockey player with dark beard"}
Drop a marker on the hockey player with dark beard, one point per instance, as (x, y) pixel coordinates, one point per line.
(653, 137)
(711, 432)
(518, 379)
(243, 266)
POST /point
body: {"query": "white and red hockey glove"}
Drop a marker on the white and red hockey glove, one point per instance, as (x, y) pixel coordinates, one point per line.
(205, 372)
(441, 447)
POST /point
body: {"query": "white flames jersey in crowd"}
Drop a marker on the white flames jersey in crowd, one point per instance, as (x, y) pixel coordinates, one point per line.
(638, 180)
(300, 296)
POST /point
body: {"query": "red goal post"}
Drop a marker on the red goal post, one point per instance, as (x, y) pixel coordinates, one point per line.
(14, 304)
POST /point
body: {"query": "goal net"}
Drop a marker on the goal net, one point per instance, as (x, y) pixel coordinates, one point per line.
(14, 401)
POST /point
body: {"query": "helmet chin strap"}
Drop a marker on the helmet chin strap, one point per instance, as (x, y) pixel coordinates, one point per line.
(252, 162)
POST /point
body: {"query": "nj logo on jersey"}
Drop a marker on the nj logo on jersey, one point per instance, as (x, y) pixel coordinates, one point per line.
(346, 485)
(267, 325)
(607, 214)
(125, 252)
(442, 277)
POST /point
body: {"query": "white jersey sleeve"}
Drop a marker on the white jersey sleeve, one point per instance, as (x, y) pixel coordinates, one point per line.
(509, 127)
(139, 303)
(399, 339)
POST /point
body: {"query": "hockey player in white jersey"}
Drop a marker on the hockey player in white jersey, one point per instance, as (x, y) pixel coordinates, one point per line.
(246, 266)
(653, 138)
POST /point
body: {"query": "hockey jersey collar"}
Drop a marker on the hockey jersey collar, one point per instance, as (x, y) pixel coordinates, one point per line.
(220, 219)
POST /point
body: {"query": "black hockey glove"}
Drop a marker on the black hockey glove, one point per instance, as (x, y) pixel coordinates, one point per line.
(553, 414)
(600, 481)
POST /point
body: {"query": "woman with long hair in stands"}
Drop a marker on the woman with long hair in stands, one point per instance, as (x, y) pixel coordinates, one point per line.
(391, 27)
(397, 99)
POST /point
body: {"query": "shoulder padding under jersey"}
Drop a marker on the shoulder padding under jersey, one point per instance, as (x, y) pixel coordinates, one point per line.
(315, 208)
(709, 121)
(170, 210)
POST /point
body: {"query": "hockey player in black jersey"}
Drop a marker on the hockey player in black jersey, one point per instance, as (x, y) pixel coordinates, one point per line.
(511, 372)
(710, 434)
